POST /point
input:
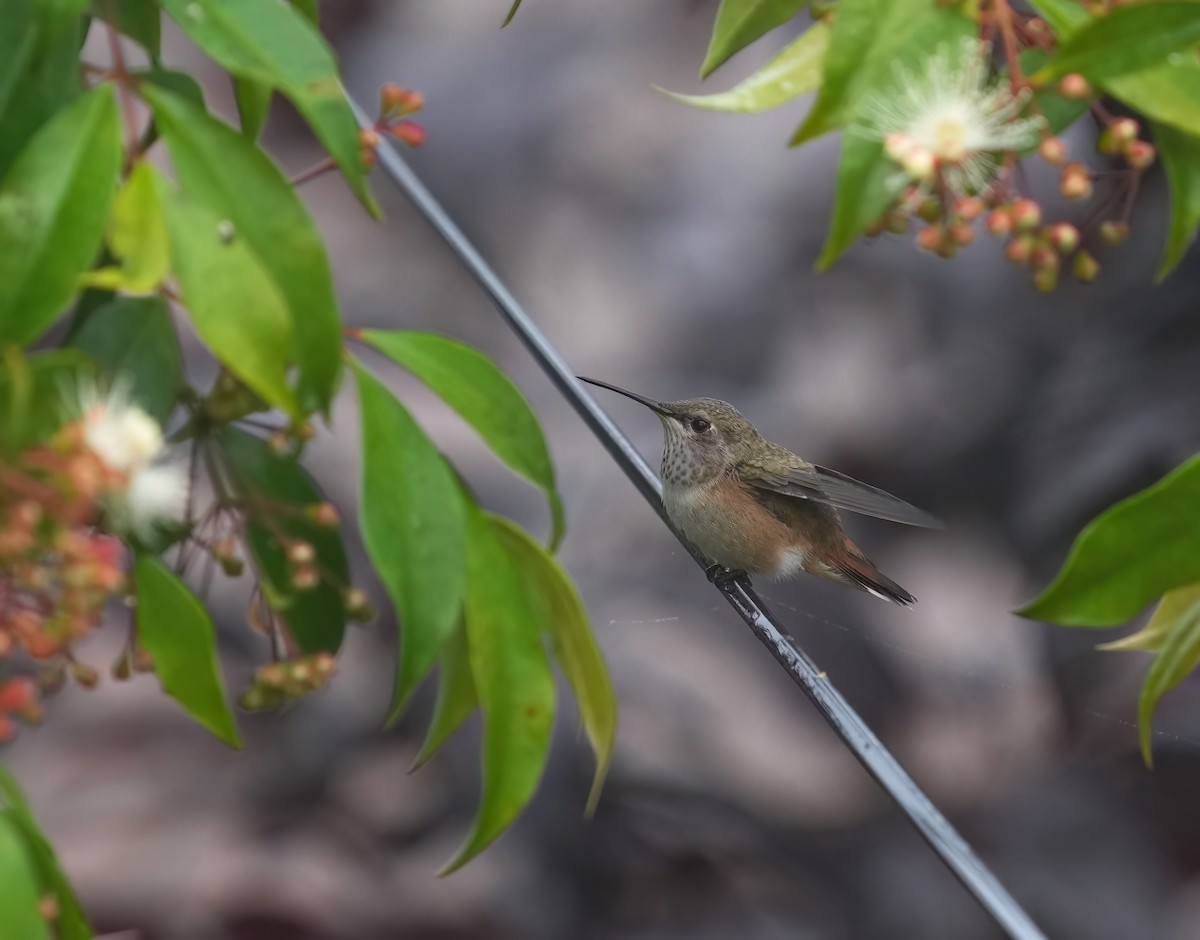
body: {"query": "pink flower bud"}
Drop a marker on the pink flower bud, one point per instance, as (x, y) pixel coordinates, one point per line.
(1000, 221)
(1114, 233)
(1075, 86)
(408, 132)
(1086, 268)
(1053, 150)
(1026, 215)
(1076, 182)
(1064, 236)
(1140, 154)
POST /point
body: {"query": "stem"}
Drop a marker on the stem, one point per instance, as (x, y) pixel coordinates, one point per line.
(1003, 16)
(120, 75)
(319, 168)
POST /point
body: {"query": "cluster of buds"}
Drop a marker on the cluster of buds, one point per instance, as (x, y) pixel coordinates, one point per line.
(58, 568)
(56, 571)
(289, 442)
(395, 104)
(302, 564)
(1041, 248)
(1122, 138)
(956, 136)
(279, 683)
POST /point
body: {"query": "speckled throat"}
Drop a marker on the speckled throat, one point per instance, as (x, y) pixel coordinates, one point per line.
(682, 464)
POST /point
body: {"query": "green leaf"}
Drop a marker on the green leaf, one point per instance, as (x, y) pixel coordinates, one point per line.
(456, 697)
(308, 9)
(863, 193)
(35, 393)
(53, 206)
(1064, 16)
(135, 338)
(740, 22)
(232, 300)
(39, 70)
(1177, 657)
(276, 45)
(232, 177)
(513, 679)
(175, 629)
(411, 517)
(565, 619)
(137, 236)
(870, 37)
(253, 104)
(1152, 636)
(1126, 39)
(796, 70)
(277, 490)
(19, 894)
(1180, 155)
(1168, 93)
(71, 923)
(140, 20)
(512, 11)
(471, 384)
(180, 84)
(868, 181)
(1130, 554)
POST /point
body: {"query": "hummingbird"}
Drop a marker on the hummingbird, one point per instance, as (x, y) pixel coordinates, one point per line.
(753, 507)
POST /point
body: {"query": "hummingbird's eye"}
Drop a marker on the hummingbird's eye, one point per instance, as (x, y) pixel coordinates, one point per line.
(699, 425)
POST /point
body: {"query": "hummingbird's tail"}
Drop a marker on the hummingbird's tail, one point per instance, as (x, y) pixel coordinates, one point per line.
(860, 572)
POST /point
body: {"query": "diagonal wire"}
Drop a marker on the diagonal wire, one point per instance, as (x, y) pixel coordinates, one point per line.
(942, 837)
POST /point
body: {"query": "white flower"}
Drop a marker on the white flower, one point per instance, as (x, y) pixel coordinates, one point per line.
(951, 119)
(117, 431)
(130, 442)
(155, 495)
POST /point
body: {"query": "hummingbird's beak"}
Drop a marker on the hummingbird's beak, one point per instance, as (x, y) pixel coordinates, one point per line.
(655, 406)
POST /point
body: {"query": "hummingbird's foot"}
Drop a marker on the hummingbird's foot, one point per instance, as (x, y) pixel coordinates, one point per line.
(721, 576)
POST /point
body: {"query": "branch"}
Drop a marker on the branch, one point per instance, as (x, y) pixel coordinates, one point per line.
(878, 761)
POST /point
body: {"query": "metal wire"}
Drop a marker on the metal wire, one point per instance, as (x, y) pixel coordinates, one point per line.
(942, 837)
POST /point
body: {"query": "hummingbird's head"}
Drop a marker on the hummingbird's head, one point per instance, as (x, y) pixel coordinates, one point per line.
(704, 436)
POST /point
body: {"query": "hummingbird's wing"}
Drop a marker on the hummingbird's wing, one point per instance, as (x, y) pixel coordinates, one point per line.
(822, 485)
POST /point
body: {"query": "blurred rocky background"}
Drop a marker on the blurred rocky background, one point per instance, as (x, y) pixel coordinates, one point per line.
(670, 250)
